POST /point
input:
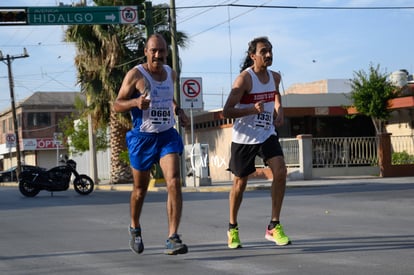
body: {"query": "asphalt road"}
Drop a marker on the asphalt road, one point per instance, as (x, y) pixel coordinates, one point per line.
(362, 227)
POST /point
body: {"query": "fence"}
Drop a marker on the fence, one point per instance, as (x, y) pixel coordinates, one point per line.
(290, 147)
(332, 152)
(336, 153)
(401, 144)
(344, 151)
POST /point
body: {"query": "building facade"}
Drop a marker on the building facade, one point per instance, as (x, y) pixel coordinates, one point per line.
(319, 109)
(40, 138)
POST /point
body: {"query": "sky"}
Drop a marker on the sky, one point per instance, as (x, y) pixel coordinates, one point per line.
(308, 44)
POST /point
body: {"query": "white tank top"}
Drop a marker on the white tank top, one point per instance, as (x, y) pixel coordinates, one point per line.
(160, 115)
(254, 129)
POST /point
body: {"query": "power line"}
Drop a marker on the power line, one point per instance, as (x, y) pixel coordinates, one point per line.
(298, 7)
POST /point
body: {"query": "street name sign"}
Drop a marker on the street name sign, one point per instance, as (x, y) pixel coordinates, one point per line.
(67, 15)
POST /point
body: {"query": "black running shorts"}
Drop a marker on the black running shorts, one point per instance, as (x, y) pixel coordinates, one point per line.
(242, 160)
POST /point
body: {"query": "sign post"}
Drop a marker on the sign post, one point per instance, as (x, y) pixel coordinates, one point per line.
(57, 138)
(191, 97)
(10, 140)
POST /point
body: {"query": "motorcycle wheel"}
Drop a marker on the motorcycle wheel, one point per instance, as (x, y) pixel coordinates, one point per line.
(83, 185)
(26, 190)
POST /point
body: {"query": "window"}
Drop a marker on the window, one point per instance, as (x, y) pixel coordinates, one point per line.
(11, 127)
(38, 119)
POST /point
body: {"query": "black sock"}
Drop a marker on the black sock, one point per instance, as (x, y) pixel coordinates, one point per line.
(233, 226)
(272, 224)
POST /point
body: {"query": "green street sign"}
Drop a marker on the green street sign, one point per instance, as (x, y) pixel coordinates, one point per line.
(82, 15)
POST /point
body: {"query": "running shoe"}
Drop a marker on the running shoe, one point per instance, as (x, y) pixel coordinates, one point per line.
(174, 246)
(135, 241)
(233, 238)
(277, 235)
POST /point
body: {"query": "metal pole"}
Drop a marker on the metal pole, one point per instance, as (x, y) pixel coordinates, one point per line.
(8, 60)
(149, 25)
(192, 146)
(176, 68)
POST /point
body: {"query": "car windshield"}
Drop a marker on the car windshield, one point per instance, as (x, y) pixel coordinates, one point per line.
(11, 169)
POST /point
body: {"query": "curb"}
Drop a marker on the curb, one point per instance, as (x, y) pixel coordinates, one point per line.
(153, 188)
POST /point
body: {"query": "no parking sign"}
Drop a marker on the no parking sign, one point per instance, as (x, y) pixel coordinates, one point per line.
(10, 140)
(191, 93)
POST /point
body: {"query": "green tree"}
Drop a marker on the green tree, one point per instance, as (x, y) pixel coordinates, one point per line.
(104, 54)
(371, 93)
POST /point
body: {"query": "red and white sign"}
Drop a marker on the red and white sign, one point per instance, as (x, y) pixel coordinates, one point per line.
(129, 15)
(40, 144)
(10, 140)
(191, 93)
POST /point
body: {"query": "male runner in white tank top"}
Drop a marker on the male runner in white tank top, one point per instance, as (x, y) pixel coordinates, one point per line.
(255, 104)
(147, 92)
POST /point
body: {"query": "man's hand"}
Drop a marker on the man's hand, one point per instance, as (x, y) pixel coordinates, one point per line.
(259, 107)
(142, 101)
(278, 121)
(182, 118)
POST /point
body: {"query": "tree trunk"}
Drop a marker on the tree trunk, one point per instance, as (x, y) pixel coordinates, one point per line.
(120, 171)
(379, 125)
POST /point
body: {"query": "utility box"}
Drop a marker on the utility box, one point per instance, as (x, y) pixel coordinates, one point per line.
(197, 165)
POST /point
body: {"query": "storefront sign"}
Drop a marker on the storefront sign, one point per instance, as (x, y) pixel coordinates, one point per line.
(40, 144)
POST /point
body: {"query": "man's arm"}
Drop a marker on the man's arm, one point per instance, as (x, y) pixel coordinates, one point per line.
(241, 85)
(132, 82)
(279, 115)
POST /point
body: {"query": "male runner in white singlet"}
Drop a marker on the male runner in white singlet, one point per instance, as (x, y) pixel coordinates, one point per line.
(255, 104)
(147, 91)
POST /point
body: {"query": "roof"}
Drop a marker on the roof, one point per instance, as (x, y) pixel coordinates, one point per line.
(50, 99)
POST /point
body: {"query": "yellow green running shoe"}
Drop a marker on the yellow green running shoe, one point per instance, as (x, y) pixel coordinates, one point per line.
(233, 238)
(277, 235)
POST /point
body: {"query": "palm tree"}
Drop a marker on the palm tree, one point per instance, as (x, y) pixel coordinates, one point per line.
(104, 54)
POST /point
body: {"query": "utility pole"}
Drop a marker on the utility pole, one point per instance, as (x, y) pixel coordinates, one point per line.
(93, 163)
(7, 60)
(176, 67)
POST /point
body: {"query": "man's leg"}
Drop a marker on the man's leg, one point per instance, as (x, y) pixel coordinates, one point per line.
(139, 191)
(278, 168)
(235, 200)
(274, 231)
(236, 197)
(141, 181)
(171, 170)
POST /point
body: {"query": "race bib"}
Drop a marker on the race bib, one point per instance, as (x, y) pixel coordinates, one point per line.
(263, 120)
(160, 115)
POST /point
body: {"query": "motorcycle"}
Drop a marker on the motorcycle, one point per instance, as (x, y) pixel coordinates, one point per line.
(55, 179)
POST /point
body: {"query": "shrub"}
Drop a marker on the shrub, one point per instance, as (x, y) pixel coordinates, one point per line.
(402, 158)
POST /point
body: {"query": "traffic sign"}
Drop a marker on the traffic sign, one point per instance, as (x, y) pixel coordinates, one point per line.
(10, 140)
(191, 88)
(12, 16)
(58, 138)
(67, 15)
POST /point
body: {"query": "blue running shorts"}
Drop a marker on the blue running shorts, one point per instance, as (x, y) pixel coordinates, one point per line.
(145, 149)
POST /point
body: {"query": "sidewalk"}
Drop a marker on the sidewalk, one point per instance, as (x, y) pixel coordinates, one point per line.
(225, 186)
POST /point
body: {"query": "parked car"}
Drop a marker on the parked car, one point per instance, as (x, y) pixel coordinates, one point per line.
(10, 174)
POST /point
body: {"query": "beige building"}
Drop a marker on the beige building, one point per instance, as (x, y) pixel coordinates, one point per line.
(317, 108)
(40, 138)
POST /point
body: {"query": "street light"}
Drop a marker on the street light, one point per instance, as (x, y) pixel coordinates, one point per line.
(7, 60)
